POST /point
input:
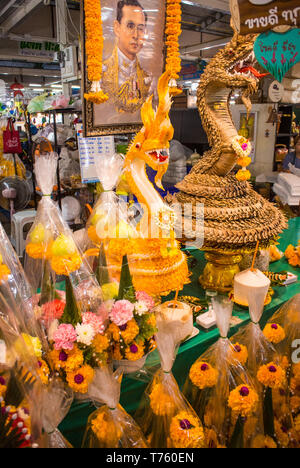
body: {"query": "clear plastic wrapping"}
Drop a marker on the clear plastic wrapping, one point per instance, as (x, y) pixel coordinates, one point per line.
(269, 370)
(75, 320)
(57, 400)
(21, 383)
(283, 331)
(11, 166)
(217, 379)
(110, 426)
(165, 416)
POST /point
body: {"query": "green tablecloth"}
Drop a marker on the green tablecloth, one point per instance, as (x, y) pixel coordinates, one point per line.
(132, 390)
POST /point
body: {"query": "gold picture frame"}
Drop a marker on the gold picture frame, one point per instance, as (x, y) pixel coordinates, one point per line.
(92, 124)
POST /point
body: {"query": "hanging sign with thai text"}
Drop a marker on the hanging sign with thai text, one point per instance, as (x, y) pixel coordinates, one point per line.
(257, 16)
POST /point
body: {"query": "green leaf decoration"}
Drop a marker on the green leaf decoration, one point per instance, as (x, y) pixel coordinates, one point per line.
(268, 413)
(126, 288)
(72, 314)
(237, 439)
(102, 270)
(48, 290)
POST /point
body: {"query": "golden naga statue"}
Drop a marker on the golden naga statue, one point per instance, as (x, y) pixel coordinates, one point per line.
(157, 264)
(235, 216)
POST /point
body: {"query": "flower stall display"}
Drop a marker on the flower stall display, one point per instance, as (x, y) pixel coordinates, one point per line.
(221, 390)
(165, 416)
(265, 364)
(110, 426)
(132, 324)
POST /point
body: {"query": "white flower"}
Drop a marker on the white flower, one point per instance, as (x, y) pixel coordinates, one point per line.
(140, 308)
(52, 329)
(85, 334)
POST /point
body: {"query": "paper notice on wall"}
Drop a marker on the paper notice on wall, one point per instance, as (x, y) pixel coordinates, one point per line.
(89, 149)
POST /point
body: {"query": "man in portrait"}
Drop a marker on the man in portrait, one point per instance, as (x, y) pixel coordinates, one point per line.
(124, 79)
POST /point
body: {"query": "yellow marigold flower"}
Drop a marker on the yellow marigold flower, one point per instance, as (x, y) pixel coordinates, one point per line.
(2, 390)
(290, 252)
(203, 375)
(186, 431)
(68, 360)
(134, 352)
(243, 175)
(243, 400)
(80, 379)
(36, 251)
(239, 352)
(295, 404)
(100, 343)
(271, 375)
(92, 233)
(108, 433)
(294, 261)
(114, 332)
(152, 320)
(244, 161)
(263, 442)
(160, 401)
(274, 333)
(282, 434)
(43, 371)
(116, 353)
(129, 331)
(67, 264)
(4, 272)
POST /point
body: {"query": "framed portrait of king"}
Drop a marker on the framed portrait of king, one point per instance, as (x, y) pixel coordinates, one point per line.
(133, 60)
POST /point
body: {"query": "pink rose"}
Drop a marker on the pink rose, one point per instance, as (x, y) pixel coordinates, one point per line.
(144, 297)
(244, 146)
(64, 337)
(94, 320)
(121, 312)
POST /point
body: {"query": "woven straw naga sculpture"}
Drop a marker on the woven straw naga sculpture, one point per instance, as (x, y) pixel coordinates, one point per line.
(235, 216)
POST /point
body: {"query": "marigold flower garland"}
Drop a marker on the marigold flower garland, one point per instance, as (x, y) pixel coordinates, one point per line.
(242, 148)
(186, 432)
(173, 31)
(94, 50)
(274, 333)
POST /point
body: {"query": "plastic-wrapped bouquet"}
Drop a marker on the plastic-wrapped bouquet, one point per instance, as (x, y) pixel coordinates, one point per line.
(222, 392)
(165, 416)
(74, 322)
(132, 324)
(267, 368)
(110, 426)
(283, 331)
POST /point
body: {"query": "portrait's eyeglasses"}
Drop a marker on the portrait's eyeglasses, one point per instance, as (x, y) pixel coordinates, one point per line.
(139, 28)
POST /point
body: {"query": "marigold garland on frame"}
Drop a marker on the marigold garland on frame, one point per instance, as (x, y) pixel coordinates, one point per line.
(94, 50)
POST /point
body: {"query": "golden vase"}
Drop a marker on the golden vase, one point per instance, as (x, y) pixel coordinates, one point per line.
(220, 271)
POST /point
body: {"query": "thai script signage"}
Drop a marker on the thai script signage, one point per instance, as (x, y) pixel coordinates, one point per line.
(257, 16)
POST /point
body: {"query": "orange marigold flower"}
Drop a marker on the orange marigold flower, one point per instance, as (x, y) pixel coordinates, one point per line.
(66, 265)
(80, 379)
(100, 343)
(243, 400)
(271, 375)
(203, 375)
(4, 272)
(290, 252)
(186, 431)
(134, 352)
(274, 333)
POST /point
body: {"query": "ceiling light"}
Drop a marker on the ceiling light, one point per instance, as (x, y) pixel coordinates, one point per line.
(34, 85)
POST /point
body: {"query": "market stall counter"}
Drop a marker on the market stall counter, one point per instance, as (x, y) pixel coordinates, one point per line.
(132, 388)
